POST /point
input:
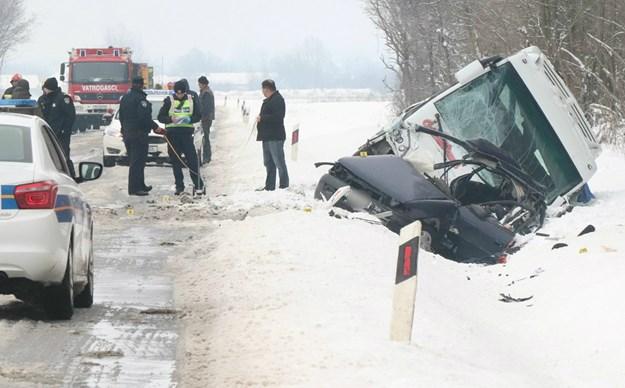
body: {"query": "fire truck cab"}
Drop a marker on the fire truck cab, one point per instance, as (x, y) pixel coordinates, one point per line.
(96, 79)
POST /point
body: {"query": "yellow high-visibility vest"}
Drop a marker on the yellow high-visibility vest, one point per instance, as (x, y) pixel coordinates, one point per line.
(180, 112)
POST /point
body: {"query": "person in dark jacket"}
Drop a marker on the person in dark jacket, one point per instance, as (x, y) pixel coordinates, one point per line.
(135, 116)
(21, 90)
(59, 112)
(270, 125)
(179, 113)
(207, 99)
(8, 93)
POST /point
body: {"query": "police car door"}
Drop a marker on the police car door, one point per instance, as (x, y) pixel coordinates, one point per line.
(70, 206)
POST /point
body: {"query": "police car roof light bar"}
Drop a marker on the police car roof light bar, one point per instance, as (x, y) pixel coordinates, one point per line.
(16, 103)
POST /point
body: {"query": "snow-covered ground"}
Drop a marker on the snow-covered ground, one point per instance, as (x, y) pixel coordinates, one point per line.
(290, 296)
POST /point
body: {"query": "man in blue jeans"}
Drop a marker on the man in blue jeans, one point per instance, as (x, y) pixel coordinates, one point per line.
(270, 125)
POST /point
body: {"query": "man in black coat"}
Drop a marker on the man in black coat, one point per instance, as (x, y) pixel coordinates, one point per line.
(207, 99)
(135, 115)
(179, 113)
(59, 112)
(270, 125)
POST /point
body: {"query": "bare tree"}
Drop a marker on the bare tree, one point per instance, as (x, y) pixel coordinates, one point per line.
(14, 25)
(429, 40)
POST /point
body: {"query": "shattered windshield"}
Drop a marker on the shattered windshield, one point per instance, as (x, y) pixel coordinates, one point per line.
(498, 107)
(96, 72)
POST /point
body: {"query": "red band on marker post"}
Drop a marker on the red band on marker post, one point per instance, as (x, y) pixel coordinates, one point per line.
(407, 260)
(294, 143)
(295, 136)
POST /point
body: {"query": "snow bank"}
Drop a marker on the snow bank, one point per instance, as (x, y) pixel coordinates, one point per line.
(291, 296)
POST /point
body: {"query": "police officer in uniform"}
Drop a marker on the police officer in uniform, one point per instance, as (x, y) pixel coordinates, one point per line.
(179, 113)
(135, 115)
(59, 112)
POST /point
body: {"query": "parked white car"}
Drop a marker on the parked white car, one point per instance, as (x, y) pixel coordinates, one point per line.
(46, 225)
(114, 149)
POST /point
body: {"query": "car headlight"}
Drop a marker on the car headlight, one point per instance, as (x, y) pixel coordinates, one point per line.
(112, 132)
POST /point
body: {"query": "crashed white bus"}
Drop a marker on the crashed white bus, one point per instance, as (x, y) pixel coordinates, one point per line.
(491, 154)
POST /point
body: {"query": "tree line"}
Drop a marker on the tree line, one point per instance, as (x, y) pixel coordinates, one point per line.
(429, 40)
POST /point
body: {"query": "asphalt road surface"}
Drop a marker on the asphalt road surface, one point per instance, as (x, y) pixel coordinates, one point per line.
(130, 336)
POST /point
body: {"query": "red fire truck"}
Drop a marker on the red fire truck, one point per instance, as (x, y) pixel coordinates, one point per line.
(97, 78)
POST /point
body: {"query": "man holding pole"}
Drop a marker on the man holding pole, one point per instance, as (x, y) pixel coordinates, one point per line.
(179, 113)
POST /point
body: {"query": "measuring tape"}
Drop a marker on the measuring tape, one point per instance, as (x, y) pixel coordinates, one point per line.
(197, 173)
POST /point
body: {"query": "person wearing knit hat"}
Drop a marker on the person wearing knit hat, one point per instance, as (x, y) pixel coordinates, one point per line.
(50, 85)
(135, 116)
(179, 113)
(59, 112)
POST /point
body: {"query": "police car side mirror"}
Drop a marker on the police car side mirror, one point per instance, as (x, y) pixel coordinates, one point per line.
(89, 171)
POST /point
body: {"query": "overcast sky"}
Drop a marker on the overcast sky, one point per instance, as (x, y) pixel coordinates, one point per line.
(167, 29)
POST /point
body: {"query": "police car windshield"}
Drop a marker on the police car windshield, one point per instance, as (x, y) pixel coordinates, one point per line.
(15, 145)
(100, 72)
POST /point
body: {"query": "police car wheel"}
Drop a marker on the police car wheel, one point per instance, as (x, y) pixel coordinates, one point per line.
(85, 298)
(58, 301)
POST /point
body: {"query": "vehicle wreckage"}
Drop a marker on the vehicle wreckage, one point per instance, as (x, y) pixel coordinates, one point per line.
(479, 163)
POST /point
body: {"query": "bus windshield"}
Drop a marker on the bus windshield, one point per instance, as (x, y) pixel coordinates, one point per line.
(100, 72)
(498, 107)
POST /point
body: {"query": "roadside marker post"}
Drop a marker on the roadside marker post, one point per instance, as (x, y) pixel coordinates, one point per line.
(295, 143)
(405, 291)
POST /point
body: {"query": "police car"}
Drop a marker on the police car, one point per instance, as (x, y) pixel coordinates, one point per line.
(114, 149)
(46, 226)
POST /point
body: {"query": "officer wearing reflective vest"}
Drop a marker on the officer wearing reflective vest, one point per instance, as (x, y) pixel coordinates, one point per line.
(179, 113)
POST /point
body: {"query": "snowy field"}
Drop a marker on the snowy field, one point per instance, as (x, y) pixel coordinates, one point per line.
(290, 296)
